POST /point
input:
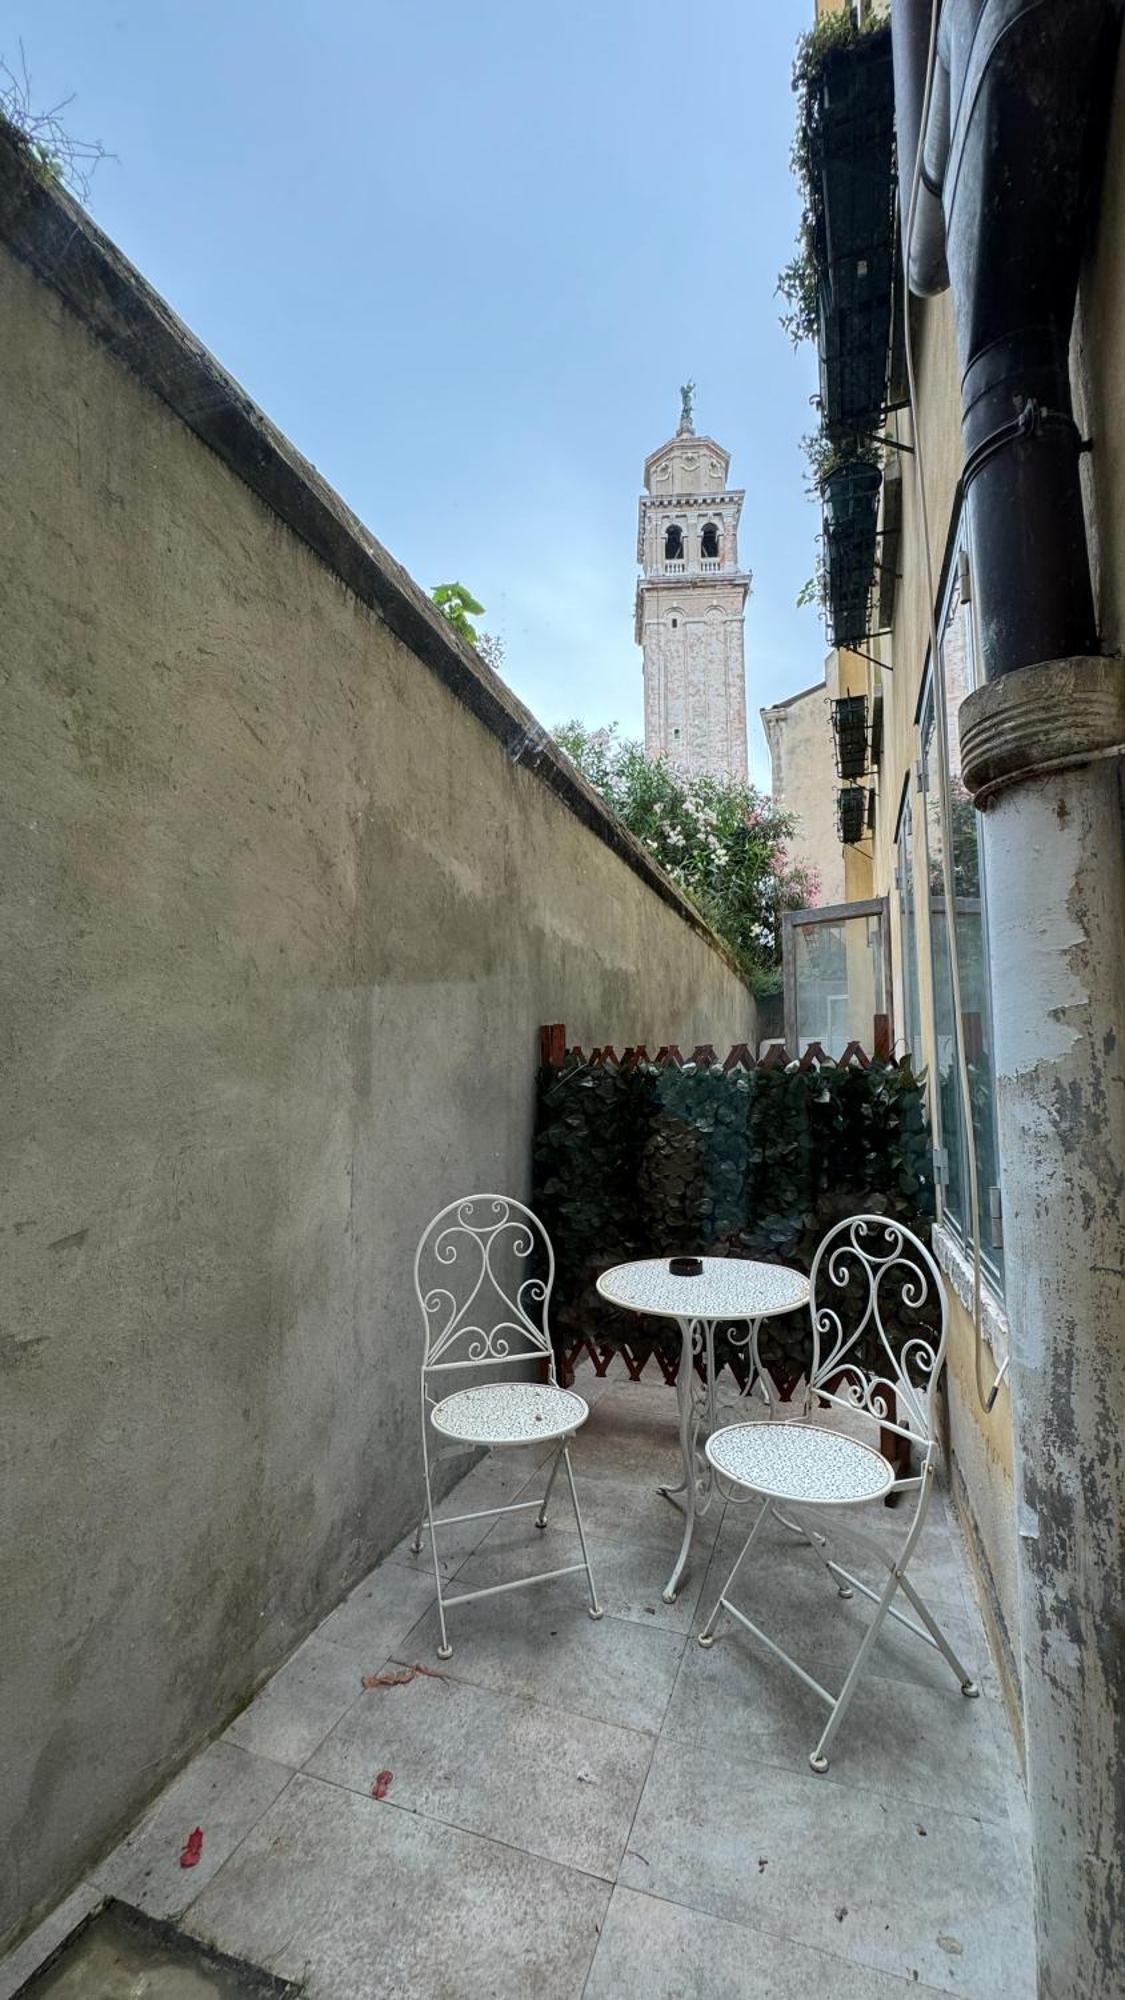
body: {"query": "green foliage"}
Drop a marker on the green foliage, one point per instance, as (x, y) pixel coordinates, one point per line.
(826, 455)
(722, 842)
(797, 283)
(458, 607)
(638, 1160)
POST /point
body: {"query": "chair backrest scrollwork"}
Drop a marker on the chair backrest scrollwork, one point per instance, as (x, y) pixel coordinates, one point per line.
(483, 1272)
(880, 1317)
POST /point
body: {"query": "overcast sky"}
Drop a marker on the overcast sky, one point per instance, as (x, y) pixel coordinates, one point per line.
(464, 252)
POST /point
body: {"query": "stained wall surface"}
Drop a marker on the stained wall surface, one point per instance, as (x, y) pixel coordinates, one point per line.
(803, 778)
(282, 915)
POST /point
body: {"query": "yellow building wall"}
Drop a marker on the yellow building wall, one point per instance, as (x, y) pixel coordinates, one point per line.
(980, 1445)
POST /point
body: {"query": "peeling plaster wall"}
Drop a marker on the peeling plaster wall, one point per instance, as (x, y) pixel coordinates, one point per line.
(281, 919)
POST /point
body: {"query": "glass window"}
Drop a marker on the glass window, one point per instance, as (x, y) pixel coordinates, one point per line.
(908, 935)
(971, 919)
(838, 980)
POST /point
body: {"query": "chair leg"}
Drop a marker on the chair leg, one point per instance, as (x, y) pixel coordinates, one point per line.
(707, 1636)
(819, 1757)
(541, 1517)
(819, 1544)
(969, 1686)
(445, 1650)
(595, 1607)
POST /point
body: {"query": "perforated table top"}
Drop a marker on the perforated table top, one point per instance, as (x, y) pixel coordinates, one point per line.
(729, 1288)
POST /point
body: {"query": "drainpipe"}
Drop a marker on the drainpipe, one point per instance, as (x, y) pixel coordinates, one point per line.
(1011, 153)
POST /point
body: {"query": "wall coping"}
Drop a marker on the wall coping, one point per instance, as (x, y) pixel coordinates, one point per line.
(48, 231)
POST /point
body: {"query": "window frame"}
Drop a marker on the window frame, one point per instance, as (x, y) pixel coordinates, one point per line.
(992, 1256)
(906, 886)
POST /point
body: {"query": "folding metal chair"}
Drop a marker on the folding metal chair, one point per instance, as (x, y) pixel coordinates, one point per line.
(803, 1467)
(483, 1272)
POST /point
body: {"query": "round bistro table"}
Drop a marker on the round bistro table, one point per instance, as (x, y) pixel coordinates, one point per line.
(729, 1290)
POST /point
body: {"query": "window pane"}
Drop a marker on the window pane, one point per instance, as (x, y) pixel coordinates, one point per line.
(970, 904)
(908, 932)
(840, 987)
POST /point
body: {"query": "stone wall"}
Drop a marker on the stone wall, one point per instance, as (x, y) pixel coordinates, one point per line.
(290, 883)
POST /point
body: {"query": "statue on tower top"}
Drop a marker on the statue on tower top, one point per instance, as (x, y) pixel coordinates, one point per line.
(687, 427)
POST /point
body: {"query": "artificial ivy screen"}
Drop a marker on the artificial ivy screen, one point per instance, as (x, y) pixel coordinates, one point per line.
(639, 1159)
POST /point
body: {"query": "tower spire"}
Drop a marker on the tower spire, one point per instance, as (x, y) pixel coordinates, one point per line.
(690, 601)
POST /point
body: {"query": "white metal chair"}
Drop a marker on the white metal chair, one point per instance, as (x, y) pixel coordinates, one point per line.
(803, 1466)
(483, 1272)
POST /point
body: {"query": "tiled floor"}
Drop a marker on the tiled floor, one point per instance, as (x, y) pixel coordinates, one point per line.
(603, 1809)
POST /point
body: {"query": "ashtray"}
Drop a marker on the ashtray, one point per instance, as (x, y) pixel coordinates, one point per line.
(686, 1267)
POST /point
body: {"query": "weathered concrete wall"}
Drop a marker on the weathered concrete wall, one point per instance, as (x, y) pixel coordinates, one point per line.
(282, 915)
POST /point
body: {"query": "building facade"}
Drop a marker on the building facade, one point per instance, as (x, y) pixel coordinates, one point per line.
(988, 666)
(803, 779)
(691, 601)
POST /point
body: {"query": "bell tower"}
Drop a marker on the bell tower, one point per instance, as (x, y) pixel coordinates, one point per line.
(691, 599)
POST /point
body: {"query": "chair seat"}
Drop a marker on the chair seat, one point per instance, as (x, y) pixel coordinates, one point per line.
(509, 1413)
(803, 1463)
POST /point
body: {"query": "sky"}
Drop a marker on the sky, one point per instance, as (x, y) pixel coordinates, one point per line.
(463, 253)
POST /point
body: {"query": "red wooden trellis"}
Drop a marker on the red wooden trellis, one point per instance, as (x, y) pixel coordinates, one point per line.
(553, 1052)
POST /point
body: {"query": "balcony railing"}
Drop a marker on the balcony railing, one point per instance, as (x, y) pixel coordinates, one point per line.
(674, 566)
(710, 562)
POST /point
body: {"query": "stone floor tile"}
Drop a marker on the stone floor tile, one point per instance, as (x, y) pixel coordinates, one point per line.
(640, 1453)
(379, 1612)
(484, 1870)
(224, 1791)
(297, 1708)
(557, 1785)
(590, 1385)
(926, 1744)
(509, 1479)
(542, 1643)
(27, 1957)
(361, 1899)
(661, 1951)
(630, 1577)
(455, 1545)
(500, 1475)
(619, 1508)
(784, 1588)
(918, 1893)
(651, 1405)
(936, 1566)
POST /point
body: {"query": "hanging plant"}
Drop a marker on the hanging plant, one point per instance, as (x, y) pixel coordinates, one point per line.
(826, 455)
(797, 282)
(851, 814)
